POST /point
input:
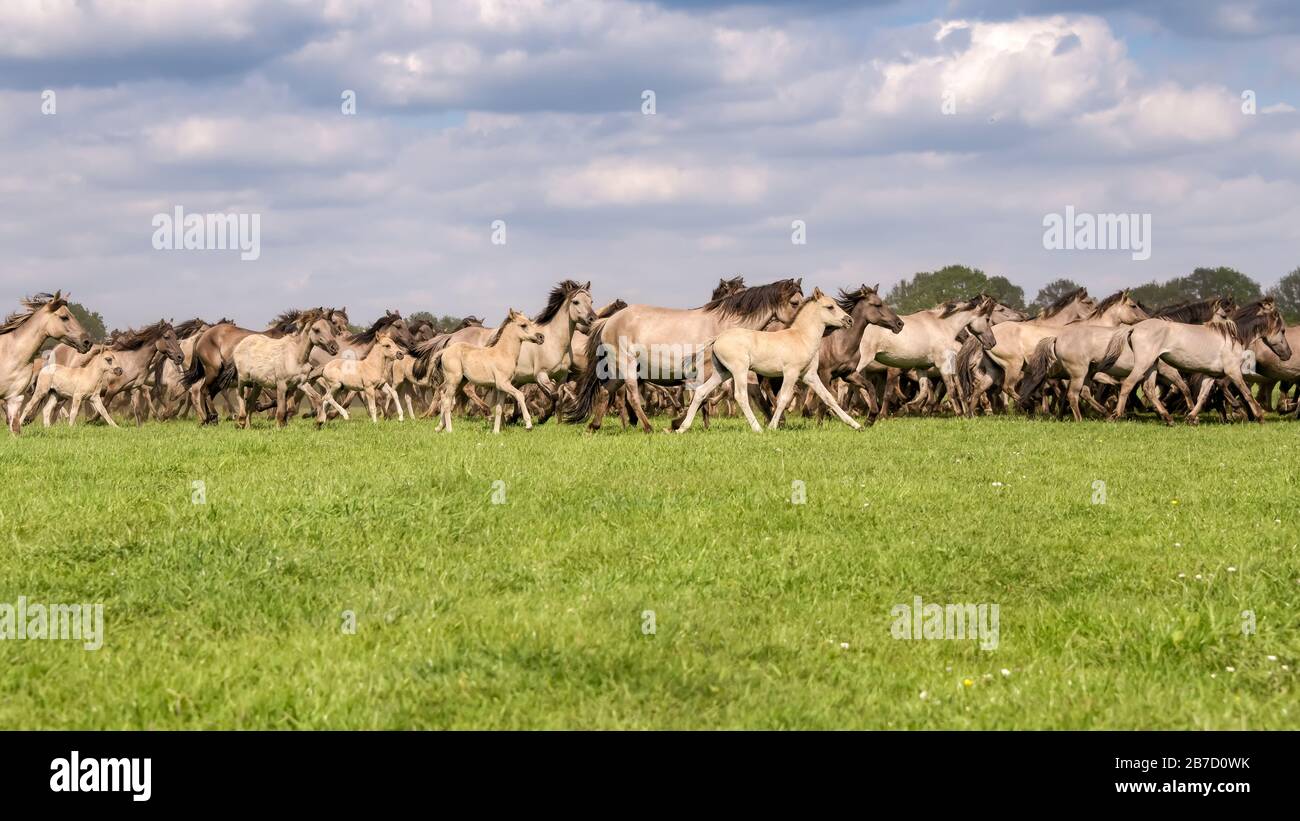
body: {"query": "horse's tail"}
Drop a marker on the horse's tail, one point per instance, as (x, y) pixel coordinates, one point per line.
(584, 397)
(195, 374)
(1114, 348)
(967, 359)
(424, 353)
(225, 379)
(433, 364)
(1037, 367)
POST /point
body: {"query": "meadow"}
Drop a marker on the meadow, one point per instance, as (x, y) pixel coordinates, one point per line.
(505, 582)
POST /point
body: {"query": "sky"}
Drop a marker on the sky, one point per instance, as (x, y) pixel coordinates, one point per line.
(904, 136)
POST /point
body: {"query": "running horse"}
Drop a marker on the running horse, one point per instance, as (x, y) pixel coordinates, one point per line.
(659, 344)
(44, 316)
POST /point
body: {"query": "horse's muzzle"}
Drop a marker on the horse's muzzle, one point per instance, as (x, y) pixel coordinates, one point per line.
(538, 339)
(846, 322)
(117, 372)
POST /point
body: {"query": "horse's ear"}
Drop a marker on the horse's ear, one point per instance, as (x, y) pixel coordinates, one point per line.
(798, 283)
(817, 293)
(876, 287)
(587, 287)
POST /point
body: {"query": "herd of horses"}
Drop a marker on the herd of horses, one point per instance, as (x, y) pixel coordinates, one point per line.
(770, 345)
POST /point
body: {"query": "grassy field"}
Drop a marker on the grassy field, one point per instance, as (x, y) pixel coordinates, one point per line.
(767, 614)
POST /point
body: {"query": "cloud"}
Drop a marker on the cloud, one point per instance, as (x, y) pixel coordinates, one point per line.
(530, 112)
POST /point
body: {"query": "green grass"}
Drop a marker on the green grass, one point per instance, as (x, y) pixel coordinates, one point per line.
(768, 614)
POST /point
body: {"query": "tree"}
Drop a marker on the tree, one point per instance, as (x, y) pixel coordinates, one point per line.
(928, 288)
(1053, 291)
(1287, 295)
(1006, 292)
(442, 324)
(90, 320)
(1202, 283)
(1207, 283)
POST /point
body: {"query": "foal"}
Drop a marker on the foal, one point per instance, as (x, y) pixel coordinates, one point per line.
(493, 365)
(75, 384)
(790, 354)
(366, 375)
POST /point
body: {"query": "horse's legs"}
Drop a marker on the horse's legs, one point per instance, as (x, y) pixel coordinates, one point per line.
(633, 394)
(740, 389)
(813, 380)
(508, 388)
(281, 403)
(1072, 393)
(397, 400)
(1234, 373)
(498, 406)
(369, 393)
(789, 382)
(701, 396)
(1144, 361)
(74, 407)
(1193, 415)
(1151, 387)
(98, 404)
(47, 413)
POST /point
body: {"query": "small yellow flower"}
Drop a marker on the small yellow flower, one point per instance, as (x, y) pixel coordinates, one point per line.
(1173, 501)
(967, 682)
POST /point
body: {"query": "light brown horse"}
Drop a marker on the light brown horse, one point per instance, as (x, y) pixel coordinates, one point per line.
(86, 381)
(1216, 349)
(139, 353)
(653, 343)
(928, 339)
(265, 361)
(44, 316)
(367, 376)
(212, 368)
(492, 365)
(790, 353)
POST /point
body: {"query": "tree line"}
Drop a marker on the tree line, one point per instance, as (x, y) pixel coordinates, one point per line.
(928, 288)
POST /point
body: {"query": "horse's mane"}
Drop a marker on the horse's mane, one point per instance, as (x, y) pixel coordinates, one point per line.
(754, 302)
(470, 322)
(292, 319)
(848, 300)
(1188, 311)
(1250, 321)
(1105, 305)
(496, 335)
(728, 286)
(189, 328)
(1062, 301)
(31, 305)
(560, 295)
(368, 336)
(952, 306)
(134, 340)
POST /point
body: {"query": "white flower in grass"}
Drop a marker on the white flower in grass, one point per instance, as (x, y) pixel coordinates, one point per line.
(1006, 673)
(1198, 577)
(1182, 575)
(997, 484)
(844, 645)
(924, 695)
(1271, 658)
(1230, 669)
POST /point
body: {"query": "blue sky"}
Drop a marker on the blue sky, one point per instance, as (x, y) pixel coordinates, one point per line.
(530, 112)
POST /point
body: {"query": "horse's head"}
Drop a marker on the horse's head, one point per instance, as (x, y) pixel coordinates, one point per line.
(338, 318)
(581, 314)
(519, 325)
(981, 324)
(870, 309)
(169, 346)
(787, 308)
(1274, 334)
(1005, 313)
(58, 322)
(389, 348)
(399, 329)
(108, 364)
(1128, 311)
(321, 333)
(827, 311)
